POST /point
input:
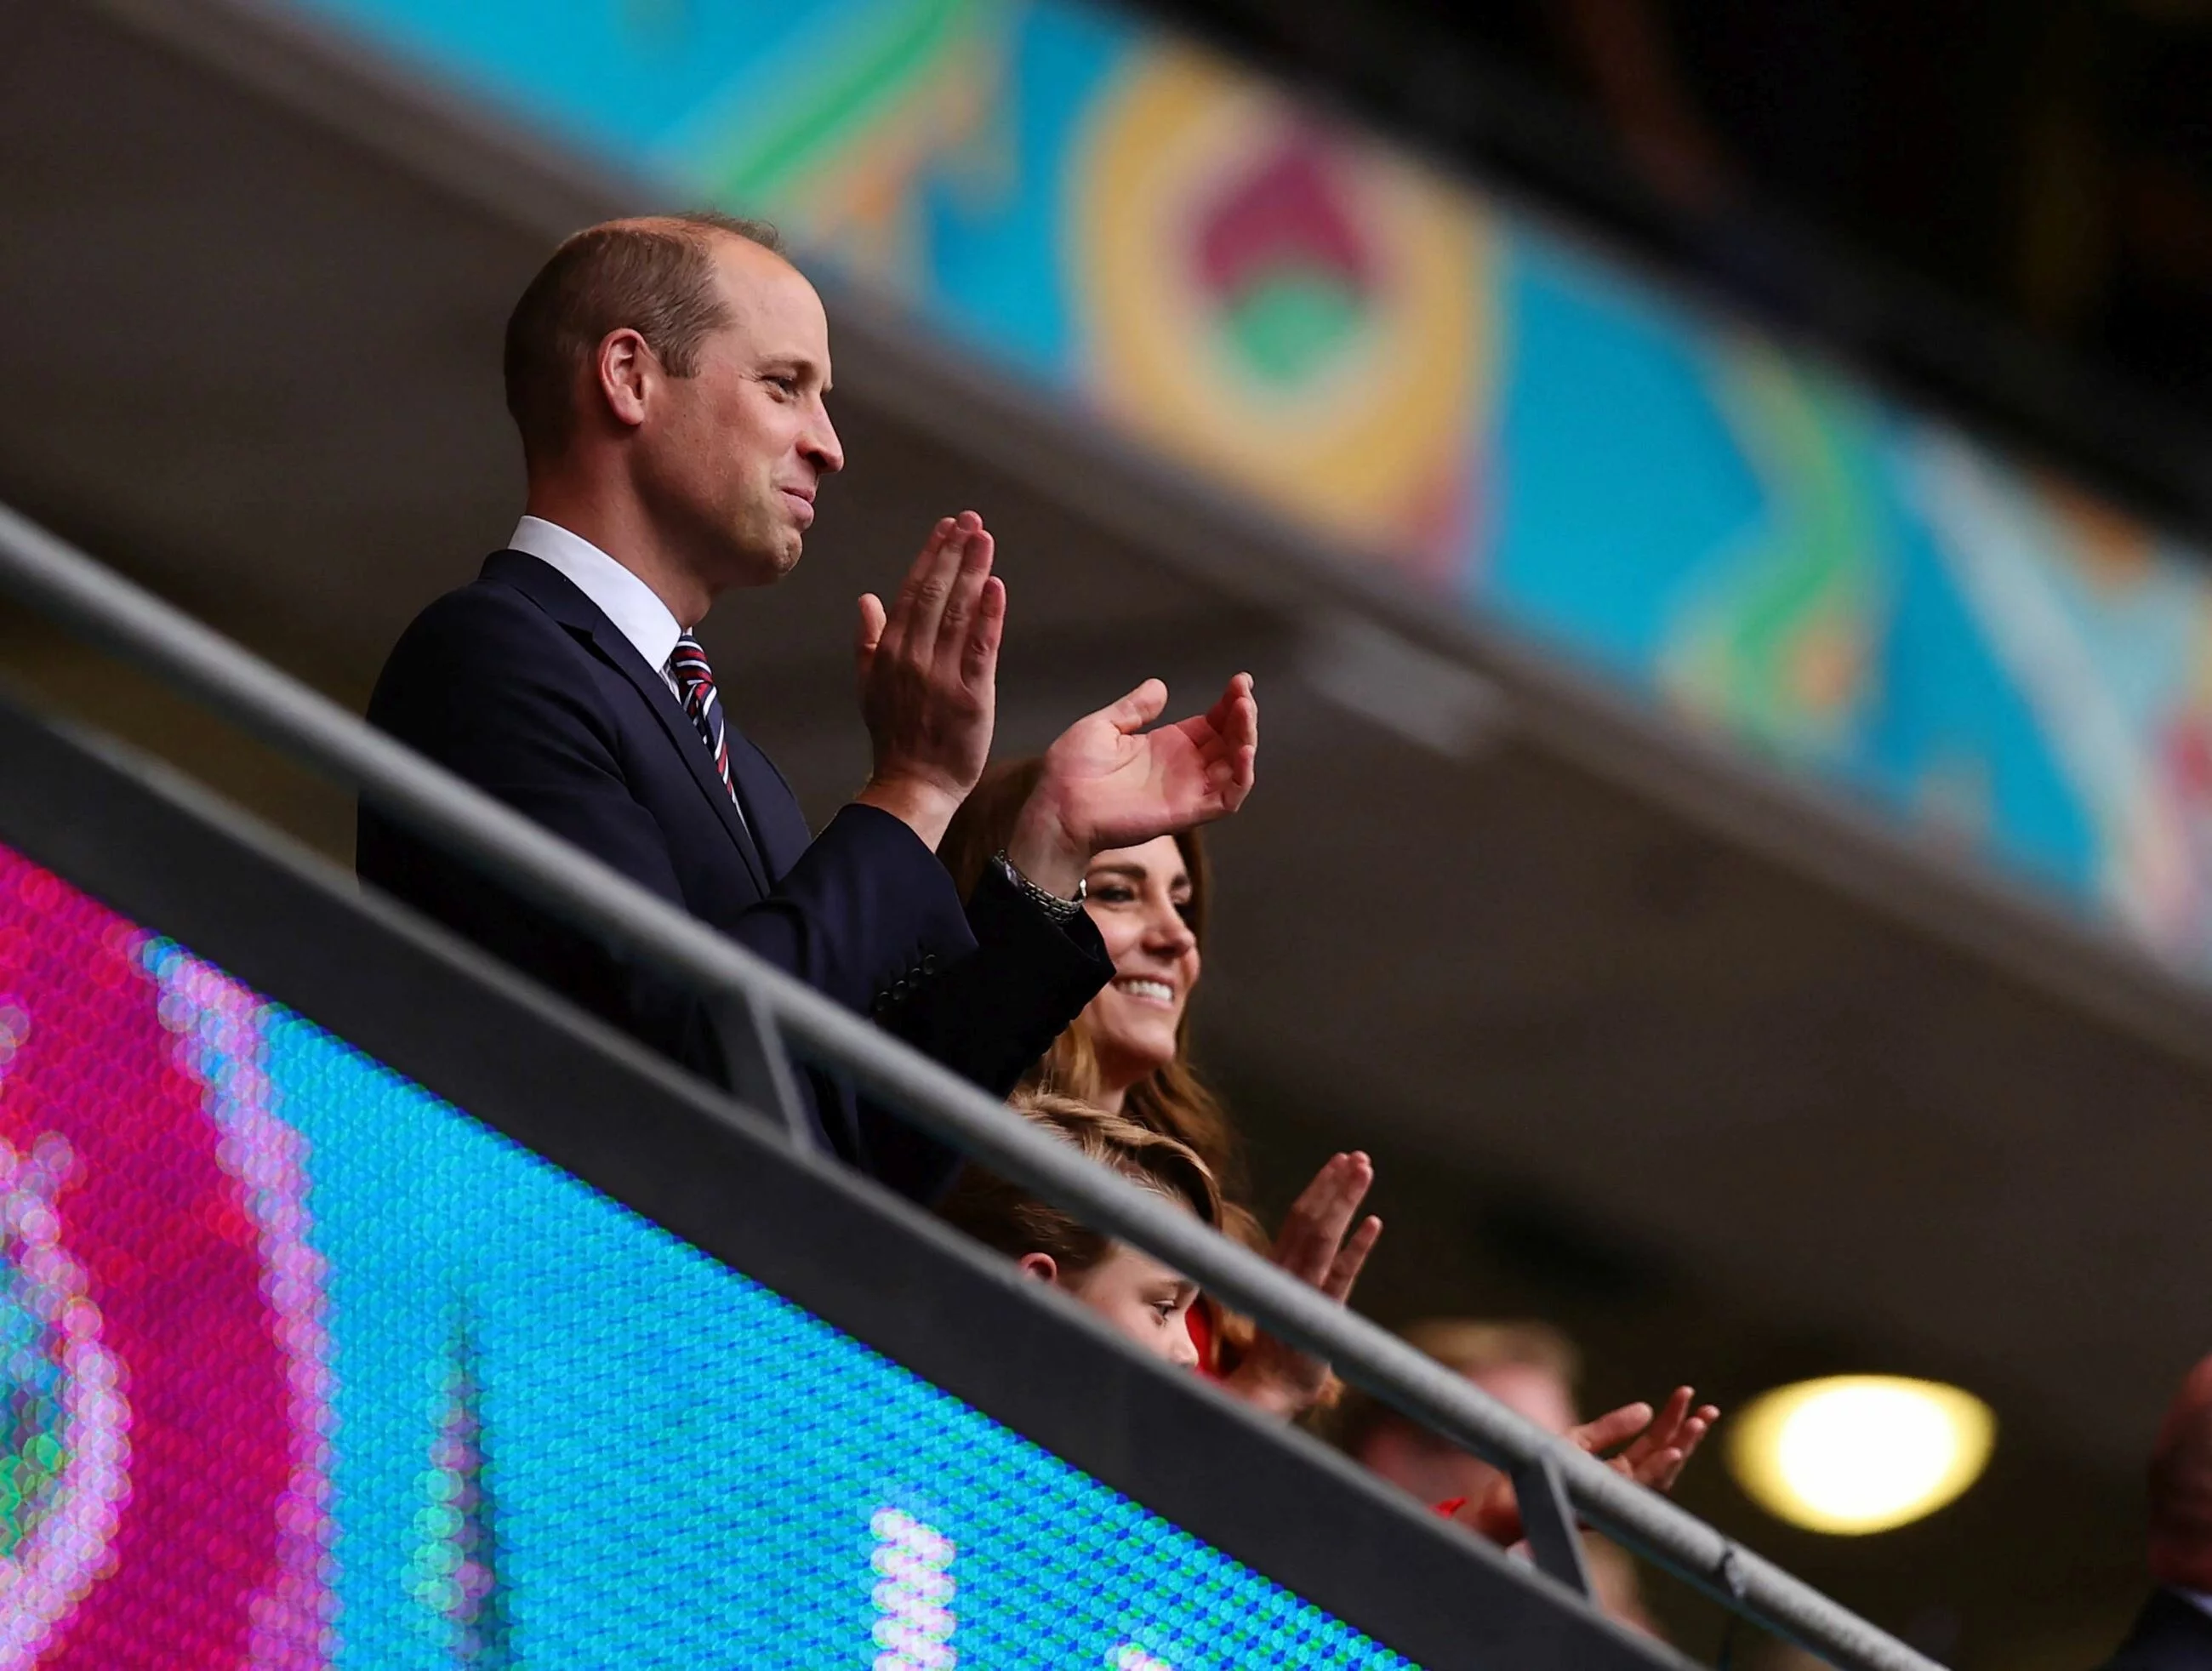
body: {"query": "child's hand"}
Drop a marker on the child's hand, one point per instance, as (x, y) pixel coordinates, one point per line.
(1656, 1449)
(1318, 1245)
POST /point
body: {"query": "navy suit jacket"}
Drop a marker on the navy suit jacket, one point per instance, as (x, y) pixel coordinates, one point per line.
(2170, 1634)
(518, 683)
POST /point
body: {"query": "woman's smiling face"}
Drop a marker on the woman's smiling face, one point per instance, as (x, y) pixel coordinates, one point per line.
(1140, 899)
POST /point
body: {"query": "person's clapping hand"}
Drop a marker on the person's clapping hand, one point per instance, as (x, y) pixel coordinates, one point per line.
(928, 670)
(1313, 1246)
(1654, 1451)
(1109, 782)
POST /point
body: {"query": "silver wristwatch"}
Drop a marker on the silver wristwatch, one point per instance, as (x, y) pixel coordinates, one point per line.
(1058, 910)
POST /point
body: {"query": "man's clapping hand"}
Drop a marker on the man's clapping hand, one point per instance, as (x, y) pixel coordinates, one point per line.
(929, 678)
(1109, 782)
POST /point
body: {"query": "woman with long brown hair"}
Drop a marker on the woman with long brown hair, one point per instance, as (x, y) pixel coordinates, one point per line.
(1127, 1054)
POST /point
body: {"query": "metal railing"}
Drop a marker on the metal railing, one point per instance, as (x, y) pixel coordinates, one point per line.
(1551, 1473)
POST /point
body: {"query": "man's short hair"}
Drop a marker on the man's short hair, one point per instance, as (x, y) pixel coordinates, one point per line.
(656, 276)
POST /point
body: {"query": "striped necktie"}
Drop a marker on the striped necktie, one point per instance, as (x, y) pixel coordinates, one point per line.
(695, 683)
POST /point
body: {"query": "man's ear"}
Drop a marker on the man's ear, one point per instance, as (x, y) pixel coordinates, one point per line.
(625, 365)
(1038, 1265)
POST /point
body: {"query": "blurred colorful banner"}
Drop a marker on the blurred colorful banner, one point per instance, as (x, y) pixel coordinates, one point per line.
(1386, 358)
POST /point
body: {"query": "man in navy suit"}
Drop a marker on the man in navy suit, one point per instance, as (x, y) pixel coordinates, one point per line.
(668, 378)
(2173, 1631)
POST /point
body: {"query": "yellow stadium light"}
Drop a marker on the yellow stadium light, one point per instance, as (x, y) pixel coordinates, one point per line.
(1859, 1453)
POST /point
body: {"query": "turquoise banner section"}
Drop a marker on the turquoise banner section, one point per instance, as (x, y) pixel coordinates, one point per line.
(1386, 359)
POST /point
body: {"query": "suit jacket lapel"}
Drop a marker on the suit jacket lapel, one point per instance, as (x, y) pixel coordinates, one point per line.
(552, 592)
(771, 809)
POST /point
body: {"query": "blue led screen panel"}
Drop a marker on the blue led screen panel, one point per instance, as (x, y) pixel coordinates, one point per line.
(304, 1366)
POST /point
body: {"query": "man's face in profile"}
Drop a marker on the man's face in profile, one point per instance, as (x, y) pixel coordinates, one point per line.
(741, 448)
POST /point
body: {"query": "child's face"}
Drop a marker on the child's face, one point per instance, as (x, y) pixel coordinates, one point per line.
(1146, 1303)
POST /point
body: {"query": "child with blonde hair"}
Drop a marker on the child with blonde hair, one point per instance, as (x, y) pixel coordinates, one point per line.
(1145, 1301)
(1148, 1303)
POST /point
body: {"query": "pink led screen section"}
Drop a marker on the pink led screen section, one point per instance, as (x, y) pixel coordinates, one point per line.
(163, 1411)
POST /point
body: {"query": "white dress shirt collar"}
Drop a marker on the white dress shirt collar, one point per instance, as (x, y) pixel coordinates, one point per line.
(2195, 1598)
(634, 607)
